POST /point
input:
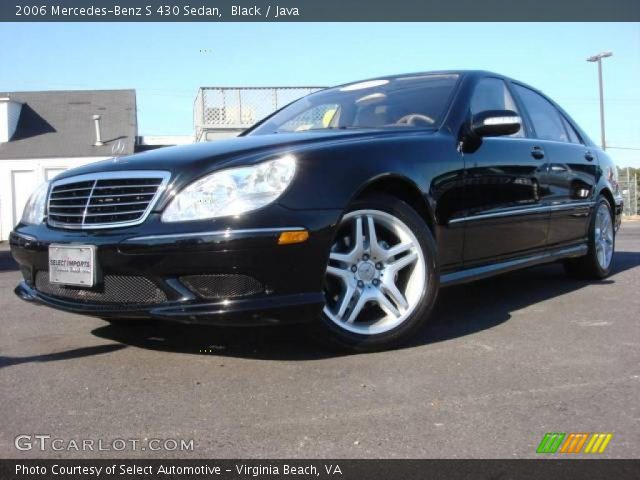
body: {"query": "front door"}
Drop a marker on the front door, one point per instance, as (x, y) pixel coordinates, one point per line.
(505, 188)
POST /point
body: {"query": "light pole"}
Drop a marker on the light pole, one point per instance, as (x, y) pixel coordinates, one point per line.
(598, 58)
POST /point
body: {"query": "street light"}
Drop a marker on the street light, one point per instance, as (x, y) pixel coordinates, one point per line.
(598, 58)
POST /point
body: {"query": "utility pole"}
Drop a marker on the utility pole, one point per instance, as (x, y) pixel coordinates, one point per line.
(635, 191)
(598, 58)
(629, 191)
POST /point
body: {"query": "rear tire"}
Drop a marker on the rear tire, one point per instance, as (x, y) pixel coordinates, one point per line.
(596, 264)
(380, 287)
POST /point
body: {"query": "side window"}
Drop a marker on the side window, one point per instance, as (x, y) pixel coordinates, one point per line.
(320, 116)
(547, 121)
(573, 135)
(493, 94)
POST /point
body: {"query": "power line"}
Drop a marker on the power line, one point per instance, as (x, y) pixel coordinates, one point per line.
(624, 148)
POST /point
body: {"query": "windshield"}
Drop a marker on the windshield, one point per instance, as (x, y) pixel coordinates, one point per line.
(409, 101)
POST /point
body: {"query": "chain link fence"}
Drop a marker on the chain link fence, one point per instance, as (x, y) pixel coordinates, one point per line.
(238, 108)
(628, 184)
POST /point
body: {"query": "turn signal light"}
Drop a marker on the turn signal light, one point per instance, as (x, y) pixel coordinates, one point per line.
(298, 236)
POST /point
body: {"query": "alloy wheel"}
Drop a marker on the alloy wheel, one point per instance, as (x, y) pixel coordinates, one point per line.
(603, 236)
(376, 274)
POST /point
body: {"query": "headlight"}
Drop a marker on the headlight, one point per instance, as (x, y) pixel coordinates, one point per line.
(232, 192)
(34, 210)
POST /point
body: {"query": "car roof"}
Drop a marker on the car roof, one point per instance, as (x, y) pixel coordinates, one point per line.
(462, 73)
(466, 73)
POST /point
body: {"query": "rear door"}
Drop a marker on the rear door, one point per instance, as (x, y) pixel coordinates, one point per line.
(572, 168)
(505, 187)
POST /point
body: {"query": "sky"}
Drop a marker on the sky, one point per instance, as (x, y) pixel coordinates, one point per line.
(166, 63)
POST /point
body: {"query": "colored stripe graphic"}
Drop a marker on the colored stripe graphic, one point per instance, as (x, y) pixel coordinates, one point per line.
(598, 443)
(574, 442)
(550, 442)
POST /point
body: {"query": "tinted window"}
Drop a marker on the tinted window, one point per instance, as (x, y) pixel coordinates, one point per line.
(320, 116)
(411, 101)
(547, 121)
(493, 94)
(573, 135)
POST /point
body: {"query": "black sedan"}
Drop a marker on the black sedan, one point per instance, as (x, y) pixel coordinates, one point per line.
(348, 209)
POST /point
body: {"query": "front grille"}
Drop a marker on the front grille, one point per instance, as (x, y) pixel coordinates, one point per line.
(222, 286)
(102, 200)
(116, 289)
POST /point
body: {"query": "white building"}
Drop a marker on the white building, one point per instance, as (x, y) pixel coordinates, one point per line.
(45, 133)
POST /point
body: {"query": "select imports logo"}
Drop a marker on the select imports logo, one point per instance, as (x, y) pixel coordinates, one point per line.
(557, 442)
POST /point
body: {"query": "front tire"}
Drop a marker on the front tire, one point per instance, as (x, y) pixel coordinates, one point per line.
(596, 264)
(382, 276)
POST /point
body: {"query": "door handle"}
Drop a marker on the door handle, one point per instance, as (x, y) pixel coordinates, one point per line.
(589, 156)
(537, 153)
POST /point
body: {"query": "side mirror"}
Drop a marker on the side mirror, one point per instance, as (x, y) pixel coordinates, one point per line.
(495, 123)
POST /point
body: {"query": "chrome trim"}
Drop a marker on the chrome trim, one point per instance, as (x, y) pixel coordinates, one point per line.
(509, 213)
(151, 174)
(215, 233)
(570, 206)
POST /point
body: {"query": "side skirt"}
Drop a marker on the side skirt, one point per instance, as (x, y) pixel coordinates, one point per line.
(476, 273)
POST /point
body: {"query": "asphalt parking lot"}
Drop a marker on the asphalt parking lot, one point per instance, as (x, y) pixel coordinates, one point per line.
(504, 361)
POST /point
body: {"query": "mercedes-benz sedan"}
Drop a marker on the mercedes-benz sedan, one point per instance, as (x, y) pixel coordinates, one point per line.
(347, 209)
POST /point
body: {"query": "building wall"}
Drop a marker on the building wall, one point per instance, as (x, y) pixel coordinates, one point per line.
(19, 178)
(9, 115)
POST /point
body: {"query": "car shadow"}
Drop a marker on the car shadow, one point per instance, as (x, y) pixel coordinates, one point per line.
(65, 355)
(7, 263)
(460, 310)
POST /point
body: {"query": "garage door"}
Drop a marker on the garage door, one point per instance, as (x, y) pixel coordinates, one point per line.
(23, 182)
(19, 178)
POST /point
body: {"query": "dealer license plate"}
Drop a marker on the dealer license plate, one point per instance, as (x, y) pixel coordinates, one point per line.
(72, 265)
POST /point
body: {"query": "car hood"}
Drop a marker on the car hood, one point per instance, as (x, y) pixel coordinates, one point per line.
(191, 161)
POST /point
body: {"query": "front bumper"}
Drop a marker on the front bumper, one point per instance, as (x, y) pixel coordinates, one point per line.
(290, 276)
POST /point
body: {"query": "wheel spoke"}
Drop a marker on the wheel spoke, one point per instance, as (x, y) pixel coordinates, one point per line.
(341, 257)
(359, 238)
(398, 265)
(362, 300)
(398, 249)
(339, 272)
(374, 246)
(396, 295)
(358, 246)
(386, 305)
(600, 254)
(346, 300)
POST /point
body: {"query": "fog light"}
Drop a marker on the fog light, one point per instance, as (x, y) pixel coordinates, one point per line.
(298, 236)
